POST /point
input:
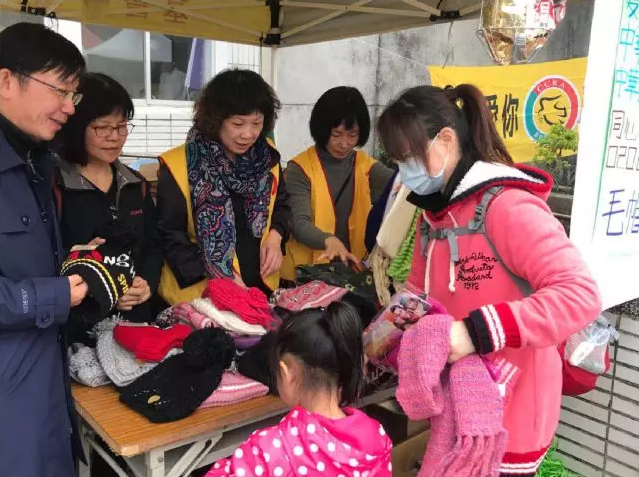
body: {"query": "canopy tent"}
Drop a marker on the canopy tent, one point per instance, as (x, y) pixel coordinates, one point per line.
(256, 22)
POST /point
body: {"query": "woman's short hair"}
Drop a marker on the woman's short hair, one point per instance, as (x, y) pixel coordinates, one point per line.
(343, 104)
(102, 96)
(234, 92)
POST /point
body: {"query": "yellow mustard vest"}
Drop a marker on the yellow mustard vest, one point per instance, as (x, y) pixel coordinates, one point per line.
(323, 214)
(169, 289)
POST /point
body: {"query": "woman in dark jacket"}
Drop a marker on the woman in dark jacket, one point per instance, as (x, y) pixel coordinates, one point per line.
(93, 188)
(221, 196)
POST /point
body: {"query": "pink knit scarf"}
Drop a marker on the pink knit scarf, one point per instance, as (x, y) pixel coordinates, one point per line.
(462, 402)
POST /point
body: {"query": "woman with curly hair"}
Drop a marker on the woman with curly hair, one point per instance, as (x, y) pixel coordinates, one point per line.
(221, 195)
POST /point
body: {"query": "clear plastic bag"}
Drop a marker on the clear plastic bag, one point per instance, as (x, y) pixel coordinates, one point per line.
(587, 348)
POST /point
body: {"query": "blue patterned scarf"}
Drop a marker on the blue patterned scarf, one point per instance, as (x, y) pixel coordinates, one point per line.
(212, 179)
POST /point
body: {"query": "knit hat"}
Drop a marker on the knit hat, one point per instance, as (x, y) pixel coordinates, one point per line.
(256, 362)
(463, 403)
(234, 389)
(250, 304)
(108, 270)
(84, 366)
(119, 364)
(178, 385)
(315, 294)
(226, 319)
(150, 343)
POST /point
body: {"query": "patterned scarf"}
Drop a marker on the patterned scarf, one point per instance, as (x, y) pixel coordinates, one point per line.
(212, 179)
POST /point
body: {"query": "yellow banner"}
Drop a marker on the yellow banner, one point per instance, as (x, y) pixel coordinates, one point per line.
(525, 100)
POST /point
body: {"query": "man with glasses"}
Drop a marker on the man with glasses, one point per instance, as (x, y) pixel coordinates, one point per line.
(39, 73)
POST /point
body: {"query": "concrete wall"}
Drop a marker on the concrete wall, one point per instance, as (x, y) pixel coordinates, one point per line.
(381, 66)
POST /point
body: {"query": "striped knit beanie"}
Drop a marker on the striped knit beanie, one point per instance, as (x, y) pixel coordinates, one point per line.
(107, 269)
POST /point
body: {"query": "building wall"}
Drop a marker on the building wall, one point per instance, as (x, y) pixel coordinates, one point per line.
(598, 435)
(381, 66)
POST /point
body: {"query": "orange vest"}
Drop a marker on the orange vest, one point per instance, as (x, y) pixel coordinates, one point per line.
(323, 216)
(169, 289)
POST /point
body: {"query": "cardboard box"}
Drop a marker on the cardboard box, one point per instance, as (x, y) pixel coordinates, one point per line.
(408, 455)
(397, 425)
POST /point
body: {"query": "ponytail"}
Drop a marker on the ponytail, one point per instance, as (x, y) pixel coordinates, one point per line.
(420, 113)
(345, 328)
(483, 134)
(329, 344)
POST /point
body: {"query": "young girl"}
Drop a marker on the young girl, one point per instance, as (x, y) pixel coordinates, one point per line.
(450, 155)
(318, 355)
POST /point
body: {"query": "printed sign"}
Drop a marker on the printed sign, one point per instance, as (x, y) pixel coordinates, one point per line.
(605, 216)
(525, 100)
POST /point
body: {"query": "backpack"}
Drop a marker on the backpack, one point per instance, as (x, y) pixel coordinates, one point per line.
(582, 361)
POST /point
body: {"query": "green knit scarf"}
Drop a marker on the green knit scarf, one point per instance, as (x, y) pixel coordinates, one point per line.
(400, 265)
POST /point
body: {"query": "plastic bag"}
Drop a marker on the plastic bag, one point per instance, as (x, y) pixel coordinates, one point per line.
(587, 349)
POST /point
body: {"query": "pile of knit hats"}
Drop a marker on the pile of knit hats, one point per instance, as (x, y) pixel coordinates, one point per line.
(108, 270)
(109, 362)
(175, 388)
(226, 319)
(148, 342)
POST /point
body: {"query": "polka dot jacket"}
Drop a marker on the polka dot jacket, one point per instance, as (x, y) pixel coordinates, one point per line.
(306, 444)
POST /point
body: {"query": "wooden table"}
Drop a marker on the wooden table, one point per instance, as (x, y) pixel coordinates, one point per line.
(173, 449)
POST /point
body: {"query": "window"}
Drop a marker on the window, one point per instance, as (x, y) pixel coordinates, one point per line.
(179, 67)
(118, 53)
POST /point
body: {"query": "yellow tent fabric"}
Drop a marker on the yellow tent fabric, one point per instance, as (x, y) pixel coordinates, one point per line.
(248, 21)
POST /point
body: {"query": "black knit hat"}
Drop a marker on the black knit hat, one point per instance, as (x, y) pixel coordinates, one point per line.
(108, 270)
(176, 387)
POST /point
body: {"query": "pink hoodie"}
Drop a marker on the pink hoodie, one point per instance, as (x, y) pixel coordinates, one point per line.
(523, 330)
(307, 444)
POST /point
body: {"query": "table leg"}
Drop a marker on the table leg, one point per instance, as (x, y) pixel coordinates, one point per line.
(84, 470)
(154, 463)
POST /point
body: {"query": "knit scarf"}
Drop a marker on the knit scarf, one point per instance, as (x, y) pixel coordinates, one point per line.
(212, 179)
(463, 403)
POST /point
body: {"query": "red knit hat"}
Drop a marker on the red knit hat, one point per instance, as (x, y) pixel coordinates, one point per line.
(150, 343)
(250, 305)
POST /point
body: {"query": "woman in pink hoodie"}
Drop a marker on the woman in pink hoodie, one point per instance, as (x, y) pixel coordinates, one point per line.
(450, 154)
(318, 354)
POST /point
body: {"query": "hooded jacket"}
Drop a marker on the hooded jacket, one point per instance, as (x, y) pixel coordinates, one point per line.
(478, 289)
(307, 444)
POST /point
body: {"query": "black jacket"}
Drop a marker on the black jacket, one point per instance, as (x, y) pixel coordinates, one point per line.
(85, 210)
(184, 257)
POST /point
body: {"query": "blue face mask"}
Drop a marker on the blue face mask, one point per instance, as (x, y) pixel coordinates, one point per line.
(415, 176)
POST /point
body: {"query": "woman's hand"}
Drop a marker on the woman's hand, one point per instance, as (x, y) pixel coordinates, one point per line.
(237, 279)
(97, 242)
(271, 254)
(460, 343)
(138, 293)
(336, 249)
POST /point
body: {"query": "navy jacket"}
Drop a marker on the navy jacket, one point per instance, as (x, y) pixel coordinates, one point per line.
(36, 413)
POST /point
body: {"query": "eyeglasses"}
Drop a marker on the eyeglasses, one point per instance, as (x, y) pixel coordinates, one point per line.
(106, 131)
(63, 93)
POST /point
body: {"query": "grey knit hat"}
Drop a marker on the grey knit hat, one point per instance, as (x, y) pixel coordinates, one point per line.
(119, 364)
(84, 366)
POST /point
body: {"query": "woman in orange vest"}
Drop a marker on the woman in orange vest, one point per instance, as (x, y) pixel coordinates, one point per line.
(222, 202)
(332, 184)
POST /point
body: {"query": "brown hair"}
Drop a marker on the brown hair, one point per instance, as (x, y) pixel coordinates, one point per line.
(420, 113)
(234, 92)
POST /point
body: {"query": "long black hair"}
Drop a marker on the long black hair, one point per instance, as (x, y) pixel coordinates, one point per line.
(328, 343)
(418, 114)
